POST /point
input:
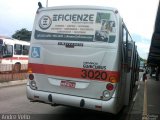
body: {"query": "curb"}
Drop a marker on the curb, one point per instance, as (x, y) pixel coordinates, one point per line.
(13, 83)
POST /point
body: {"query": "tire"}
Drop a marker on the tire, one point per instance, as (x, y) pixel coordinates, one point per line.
(17, 67)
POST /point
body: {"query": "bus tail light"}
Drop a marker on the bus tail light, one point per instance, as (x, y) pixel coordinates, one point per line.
(106, 94)
(32, 82)
(29, 70)
(33, 85)
(113, 78)
(109, 86)
(31, 76)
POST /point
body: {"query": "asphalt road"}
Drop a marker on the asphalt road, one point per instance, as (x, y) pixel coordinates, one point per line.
(14, 104)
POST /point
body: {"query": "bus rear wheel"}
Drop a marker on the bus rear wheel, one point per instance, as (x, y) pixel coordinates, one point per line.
(17, 68)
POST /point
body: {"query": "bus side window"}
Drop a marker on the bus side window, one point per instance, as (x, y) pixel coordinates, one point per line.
(25, 50)
(123, 53)
(17, 49)
(124, 37)
(125, 47)
(7, 51)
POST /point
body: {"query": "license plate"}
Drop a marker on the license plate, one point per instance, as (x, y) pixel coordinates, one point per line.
(68, 84)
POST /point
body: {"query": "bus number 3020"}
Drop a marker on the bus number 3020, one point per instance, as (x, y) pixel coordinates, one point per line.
(94, 74)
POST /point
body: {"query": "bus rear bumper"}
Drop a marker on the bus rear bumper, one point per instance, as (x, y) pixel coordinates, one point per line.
(75, 101)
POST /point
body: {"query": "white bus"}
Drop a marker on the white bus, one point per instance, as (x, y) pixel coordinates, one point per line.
(82, 56)
(13, 54)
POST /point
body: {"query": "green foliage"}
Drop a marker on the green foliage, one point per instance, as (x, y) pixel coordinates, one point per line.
(143, 60)
(22, 34)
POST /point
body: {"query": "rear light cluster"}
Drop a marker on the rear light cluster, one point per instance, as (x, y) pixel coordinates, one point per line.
(32, 82)
(109, 89)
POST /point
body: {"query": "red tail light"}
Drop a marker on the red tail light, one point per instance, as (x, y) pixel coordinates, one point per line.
(31, 76)
(109, 86)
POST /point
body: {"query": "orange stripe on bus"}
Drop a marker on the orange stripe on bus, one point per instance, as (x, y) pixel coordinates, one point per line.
(65, 71)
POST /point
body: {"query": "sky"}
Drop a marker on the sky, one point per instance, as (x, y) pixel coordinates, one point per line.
(138, 15)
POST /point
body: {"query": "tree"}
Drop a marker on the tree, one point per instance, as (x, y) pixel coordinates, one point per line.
(144, 60)
(22, 34)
